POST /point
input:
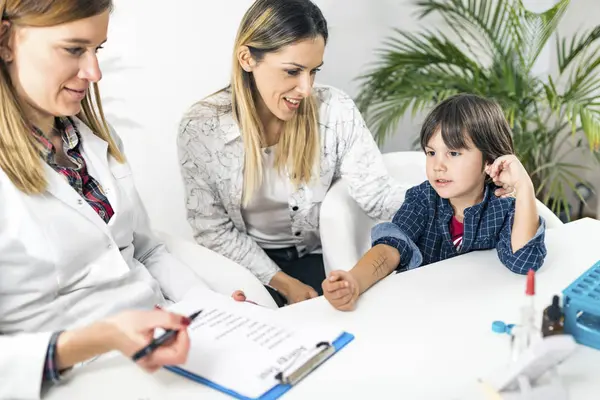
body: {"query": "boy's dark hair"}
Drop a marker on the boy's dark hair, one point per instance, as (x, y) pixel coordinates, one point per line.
(467, 118)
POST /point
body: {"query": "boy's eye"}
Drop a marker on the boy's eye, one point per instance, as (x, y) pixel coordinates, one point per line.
(314, 71)
(454, 153)
(430, 153)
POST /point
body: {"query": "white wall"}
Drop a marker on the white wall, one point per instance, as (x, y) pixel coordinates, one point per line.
(160, 59)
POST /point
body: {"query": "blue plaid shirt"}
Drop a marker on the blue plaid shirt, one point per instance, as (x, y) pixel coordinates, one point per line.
(421, 233)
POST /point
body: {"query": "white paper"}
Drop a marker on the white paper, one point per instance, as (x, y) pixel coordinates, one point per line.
(242, 346)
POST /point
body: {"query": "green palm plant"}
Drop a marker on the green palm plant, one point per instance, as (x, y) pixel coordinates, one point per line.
(494, 47)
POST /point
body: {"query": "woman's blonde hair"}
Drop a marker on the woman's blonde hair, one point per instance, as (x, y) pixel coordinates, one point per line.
(266, 27)
(19, 151)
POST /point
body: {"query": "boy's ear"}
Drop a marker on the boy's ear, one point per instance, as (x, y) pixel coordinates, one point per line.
(486, 166)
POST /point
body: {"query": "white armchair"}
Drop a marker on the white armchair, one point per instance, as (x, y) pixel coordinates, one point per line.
(345, 229)
(220, 273)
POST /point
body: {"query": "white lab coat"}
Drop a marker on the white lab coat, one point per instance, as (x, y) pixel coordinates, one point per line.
(62, 266)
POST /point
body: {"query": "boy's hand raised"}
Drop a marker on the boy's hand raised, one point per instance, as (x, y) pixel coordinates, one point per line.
(340, 288)
(508, 173)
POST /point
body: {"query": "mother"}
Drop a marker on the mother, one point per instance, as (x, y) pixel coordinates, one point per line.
(258, 157)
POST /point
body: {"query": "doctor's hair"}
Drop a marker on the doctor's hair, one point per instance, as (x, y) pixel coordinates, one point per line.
(19, 151)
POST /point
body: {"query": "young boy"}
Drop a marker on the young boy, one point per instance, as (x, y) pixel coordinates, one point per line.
(477, 196)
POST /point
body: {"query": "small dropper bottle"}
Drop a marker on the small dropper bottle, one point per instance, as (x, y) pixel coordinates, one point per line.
(553, 319)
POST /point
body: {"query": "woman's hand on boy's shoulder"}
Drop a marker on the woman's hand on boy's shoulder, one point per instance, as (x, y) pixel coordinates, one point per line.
(508, 173)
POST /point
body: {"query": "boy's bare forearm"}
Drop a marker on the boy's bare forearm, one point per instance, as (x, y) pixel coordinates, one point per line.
(375, 265)
(526, 221)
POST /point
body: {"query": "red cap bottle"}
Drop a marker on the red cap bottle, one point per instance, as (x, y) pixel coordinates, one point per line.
(530, 291)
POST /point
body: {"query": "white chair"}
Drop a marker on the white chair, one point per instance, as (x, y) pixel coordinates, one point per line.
(220, 273)
(552, 221)
(345, 229)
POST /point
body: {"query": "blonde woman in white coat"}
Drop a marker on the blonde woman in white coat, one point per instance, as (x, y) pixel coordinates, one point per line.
(76, 250)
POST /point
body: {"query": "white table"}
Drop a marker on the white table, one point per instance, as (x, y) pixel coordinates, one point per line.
(423, 334)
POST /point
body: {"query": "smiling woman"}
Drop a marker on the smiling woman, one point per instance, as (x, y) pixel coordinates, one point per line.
(258, 157)
(48, 64)
(53, 67)
(76, 248)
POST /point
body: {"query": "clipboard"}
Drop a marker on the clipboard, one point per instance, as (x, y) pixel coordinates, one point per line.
(288, 378)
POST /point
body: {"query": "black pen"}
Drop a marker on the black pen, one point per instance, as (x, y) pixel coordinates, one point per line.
(162, 339)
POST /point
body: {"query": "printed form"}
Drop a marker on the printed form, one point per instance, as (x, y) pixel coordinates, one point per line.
(242, 346)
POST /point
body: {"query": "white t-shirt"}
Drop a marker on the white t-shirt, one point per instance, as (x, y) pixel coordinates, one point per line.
(267, 216)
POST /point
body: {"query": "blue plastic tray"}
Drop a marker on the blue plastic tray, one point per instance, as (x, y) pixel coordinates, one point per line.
(582, 308)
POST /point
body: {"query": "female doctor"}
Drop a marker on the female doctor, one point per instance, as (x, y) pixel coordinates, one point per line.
(76, 249)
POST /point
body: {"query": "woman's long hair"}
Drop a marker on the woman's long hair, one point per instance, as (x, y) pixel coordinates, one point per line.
(266, 27)
(19, 152)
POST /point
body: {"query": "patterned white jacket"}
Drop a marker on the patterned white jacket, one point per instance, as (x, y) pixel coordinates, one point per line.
(211, 155)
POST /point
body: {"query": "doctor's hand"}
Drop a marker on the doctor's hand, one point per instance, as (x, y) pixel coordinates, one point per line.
(130, 331)
(340, 289)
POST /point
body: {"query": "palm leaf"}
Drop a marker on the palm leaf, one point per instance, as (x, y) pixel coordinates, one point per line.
(493, 47)
(580, 98)
(579, 43)
(485, 22)
(533, 30)
(426, 88)
(590, 122)
(431, 48)
(583, 85)
(409, 67)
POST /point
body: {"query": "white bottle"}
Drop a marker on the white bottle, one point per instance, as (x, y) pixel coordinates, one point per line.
(526, 332)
